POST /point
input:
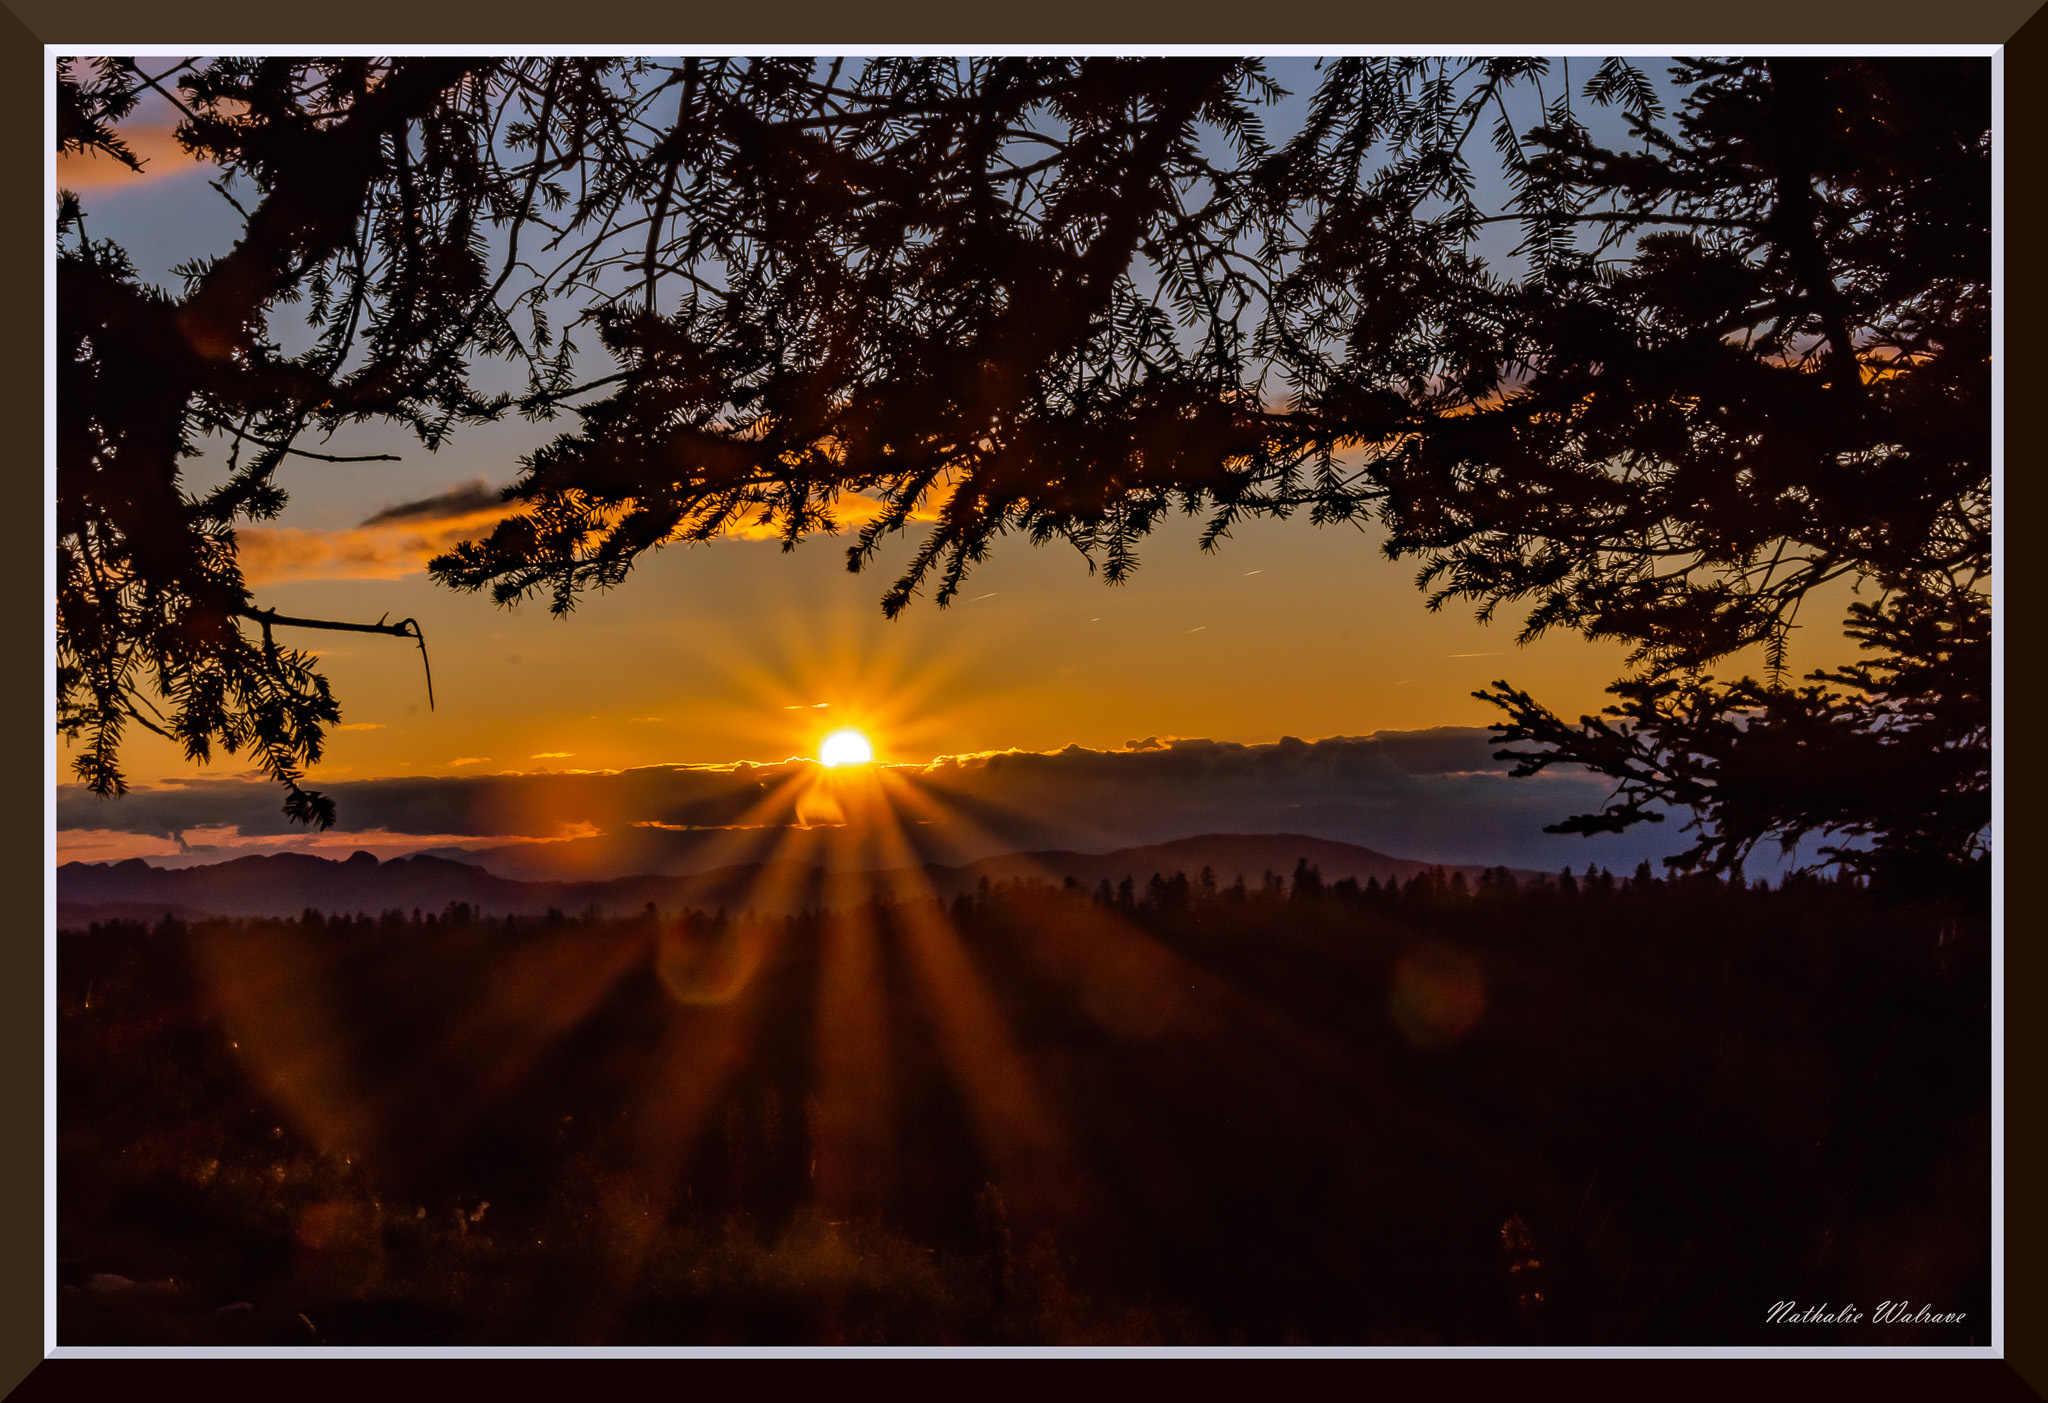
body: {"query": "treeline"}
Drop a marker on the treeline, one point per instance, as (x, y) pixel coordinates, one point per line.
(1429, 886)
(1610, 1110)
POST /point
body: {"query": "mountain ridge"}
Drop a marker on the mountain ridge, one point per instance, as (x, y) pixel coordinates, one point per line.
(285, 884)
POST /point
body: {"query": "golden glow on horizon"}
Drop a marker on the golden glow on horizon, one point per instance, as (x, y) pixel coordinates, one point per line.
(845, 748)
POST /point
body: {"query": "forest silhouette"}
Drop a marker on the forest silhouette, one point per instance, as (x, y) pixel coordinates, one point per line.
(1578, 1110)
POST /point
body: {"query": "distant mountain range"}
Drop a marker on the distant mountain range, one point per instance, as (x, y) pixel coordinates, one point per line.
(285, 884)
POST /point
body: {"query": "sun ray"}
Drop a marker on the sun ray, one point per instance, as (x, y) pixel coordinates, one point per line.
(702, 1048)
(316, 1016)
(742, 845)
(907, 795)
(853, 1124)
(1035, 1166)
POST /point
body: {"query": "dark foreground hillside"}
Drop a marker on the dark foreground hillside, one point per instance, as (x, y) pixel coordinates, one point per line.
(1634, 1112)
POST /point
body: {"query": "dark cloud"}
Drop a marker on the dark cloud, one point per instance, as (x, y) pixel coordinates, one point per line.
(456, 501)
(1435, 795)
(483, 806)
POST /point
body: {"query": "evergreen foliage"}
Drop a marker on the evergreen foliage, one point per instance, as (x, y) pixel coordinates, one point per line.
(1740, 355)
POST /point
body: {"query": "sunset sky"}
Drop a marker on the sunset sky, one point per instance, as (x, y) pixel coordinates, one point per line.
(739, 651)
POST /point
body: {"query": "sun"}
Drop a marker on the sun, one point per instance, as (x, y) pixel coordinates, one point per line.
(845, 748)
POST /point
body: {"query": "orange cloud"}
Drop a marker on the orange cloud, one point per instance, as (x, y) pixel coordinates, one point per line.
(220, 843)
(272, 555)
(155, 146)
(389, 548)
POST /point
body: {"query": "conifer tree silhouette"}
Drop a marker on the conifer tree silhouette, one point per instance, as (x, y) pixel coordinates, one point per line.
(1739, 355)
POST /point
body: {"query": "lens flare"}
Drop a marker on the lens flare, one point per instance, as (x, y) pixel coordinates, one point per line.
(1437, 995)
(845, 748)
